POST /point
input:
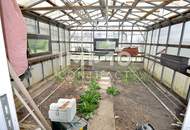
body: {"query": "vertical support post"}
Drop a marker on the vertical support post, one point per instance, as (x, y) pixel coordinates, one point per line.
(131, 36)
(145, 46)
(150, 49)
(156, 50)
(60, 52)
(82, 54)
(65, 47)
(178, 52)
(167, 41)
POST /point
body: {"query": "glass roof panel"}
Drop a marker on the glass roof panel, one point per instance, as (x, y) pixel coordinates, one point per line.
(143, 4)
(58, 2)
(64, 18)
(43, 4)
(178, 3)
(89, 1)
(26, 3)
(54, 14)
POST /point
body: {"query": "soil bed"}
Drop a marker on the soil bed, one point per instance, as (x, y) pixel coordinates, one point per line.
(135, 105)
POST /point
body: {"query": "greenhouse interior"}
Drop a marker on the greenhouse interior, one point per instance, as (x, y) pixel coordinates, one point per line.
(95, 65)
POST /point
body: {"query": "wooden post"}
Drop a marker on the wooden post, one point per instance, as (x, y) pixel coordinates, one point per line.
(29, 109)
(20, 86)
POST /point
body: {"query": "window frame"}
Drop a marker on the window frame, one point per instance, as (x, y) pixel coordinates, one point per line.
(39, 36)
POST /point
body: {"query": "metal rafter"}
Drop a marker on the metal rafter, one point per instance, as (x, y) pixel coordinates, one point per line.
(129, 11)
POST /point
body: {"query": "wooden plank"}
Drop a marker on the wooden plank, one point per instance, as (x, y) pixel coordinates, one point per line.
(20, 86)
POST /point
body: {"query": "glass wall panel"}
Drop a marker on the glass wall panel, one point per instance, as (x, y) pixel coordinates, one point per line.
(172, 50)
(55, 48)
(44, 28)
(155, 36)
(31, 26)
(87, 36)
(125, 37)
(113, 34)
(175, 34)
(186, 36)
(100, 34)
(149, 36)
(61, 34)
(54, 33)
(163, 35)
(76, 36)
(138, 37)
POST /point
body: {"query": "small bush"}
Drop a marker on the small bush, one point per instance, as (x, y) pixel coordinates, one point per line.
(112, 91)
(90, 96)
(87, 109)
(94, 85)
(89, 100)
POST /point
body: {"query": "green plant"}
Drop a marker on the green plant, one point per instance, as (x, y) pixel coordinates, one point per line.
(90, 96)
(89, 100)
(112, 91)
(87, 109)
(128, 76)
(78, 75)
(94, 85)
(61, 75)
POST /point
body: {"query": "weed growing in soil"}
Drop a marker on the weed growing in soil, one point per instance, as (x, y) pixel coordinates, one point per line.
(112, 91)
(89, 100)
(60, 76)
(128, 76)
(78, 75)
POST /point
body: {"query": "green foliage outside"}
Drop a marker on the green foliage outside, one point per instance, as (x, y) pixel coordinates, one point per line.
(38, 46)
(112, 91)
(89, 100)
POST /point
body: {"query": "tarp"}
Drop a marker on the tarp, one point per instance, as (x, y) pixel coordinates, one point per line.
(15, 35)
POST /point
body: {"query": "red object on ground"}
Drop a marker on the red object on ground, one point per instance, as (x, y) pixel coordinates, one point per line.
(132, 51)
(15, 35)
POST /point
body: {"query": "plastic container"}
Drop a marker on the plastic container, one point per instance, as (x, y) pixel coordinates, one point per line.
(62, 111)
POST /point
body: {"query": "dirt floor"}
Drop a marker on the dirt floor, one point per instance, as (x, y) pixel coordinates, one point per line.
(67, 90)
(134, 106)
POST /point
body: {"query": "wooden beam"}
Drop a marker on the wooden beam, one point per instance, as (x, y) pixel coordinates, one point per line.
(103, 7)
(20, 87)
(105, 30)
(98, 7)
(113, 13)
(154, 9)
(28, 108)
(129, 11)
(54, 5)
